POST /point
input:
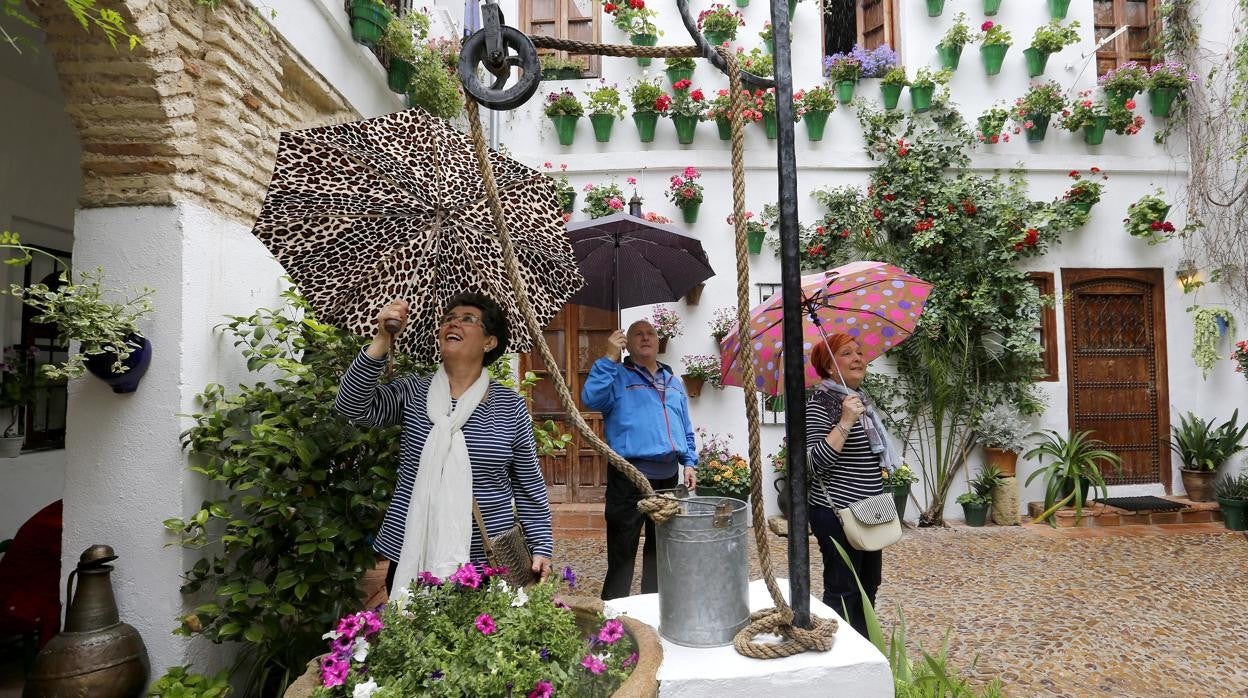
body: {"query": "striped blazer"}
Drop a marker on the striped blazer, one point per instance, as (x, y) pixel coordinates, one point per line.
(838, 479)
(501, 448)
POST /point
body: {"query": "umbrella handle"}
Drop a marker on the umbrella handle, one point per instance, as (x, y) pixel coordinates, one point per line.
(391, 326)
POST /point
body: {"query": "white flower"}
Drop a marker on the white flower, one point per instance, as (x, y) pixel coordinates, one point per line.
(361, 649)
(504, 586)
(402, 599)
(365, 690)
(521, 599)
(609, 612)
(331, 635)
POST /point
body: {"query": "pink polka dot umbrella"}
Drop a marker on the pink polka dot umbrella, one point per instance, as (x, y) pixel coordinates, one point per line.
(877, 304)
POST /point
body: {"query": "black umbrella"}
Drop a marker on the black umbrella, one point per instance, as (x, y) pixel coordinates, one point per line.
(628, 261)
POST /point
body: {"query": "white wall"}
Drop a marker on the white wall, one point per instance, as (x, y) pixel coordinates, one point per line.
(1136, 166)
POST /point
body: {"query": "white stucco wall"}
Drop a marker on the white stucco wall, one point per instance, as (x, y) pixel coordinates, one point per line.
(126, 470)
(1136, 166)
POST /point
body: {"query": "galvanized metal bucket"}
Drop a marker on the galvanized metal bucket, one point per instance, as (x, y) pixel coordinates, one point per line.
(703, 561)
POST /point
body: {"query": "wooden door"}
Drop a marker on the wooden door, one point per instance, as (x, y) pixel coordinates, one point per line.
(577, 336)
(1116, 363)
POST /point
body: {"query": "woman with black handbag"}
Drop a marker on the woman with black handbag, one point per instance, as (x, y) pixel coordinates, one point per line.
(467, 451)
(848, 448)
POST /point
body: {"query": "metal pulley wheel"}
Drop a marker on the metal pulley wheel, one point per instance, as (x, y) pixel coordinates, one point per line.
(498, 50)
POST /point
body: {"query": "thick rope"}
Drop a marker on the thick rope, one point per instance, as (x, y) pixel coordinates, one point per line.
(620, 50)
(778, 620)
(657, 507)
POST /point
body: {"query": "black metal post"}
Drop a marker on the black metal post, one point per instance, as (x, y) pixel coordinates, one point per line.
(794, 357)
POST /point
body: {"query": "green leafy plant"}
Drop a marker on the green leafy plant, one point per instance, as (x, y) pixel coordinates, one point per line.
(755, 62)
(1206, 445)
(17, 385)
(301, 490)
(1074, 468)
(1233, 487)
(86, 12)
(896, 76)
(552, 62)
(403, 35)
(1054, 36)
(1084, 111)
(1085, 191)
(474, 635)
(815, 99)
(632, 17)
(721, 19)
(826, 244)
(702, 366)
(900, 477)
(180, 682)
(780, 459)
(563, 103)
(605, 99)
(564, 189)
(993, 34)
(959, 33)
(602, 200)
(434, 87)
(1146, 219)
(1001, 426)
(687, 101)
(1041, 99)
(647, 96)
(925, 77)
(992, 125)
(1206, 334)
(81, 312)
(679, 63)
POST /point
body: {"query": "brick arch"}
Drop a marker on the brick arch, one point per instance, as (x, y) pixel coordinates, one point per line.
(193, 113)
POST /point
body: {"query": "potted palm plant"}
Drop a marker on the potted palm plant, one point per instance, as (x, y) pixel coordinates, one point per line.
(1203, 446)
(1074, 467)
(1232, 495)
(976, 502)
(1002, 432)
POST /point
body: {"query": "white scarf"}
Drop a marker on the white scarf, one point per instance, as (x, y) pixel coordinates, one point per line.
(437, 536)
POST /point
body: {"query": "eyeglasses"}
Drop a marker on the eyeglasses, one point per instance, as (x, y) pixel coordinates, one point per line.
(464, 319)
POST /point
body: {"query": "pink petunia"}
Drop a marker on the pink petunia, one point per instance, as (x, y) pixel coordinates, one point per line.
(611, 631)
(593, 664)
(467, 576)
(629, 661)
(334, 671)
(485, 624)
(542, 689)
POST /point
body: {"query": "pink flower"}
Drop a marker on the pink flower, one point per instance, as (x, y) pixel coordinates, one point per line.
(467, 576)
(691, 172)
(593, 664)
(629, 661)
(986, 26)
(611, 631)
(677, 181)
(334, 670)
(542, 689)
(426, 578)
(547, 165)
(1130, 104)
(614, 203)
(485, 624)
(632, 180)
(587, 187)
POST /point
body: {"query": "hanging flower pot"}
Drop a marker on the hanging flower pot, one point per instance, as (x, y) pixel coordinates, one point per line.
(1039, 126)
(950, 55)
(725, 129)
(771, 126)
(816, 122)
(646, 121)
(1119, 98)
(644, 40)
(1161, 100)
(743, 3)
(1094, 133)
(368, 22)
(935, 7)
(770, 45)
(675, 75)
(693, 295)
(921, 98)
(986, 127)
(693, 385)
(716, 38)
(686, 127)
(399, 75)
(602, 124)
(993, 56)
(662, 345)
(991, 7)
(792, 8)
(754, 240)
(689, 212)
(1085, 206)
(845, 91)
(891, 93)
(1036, 61)
(11, 446)
(565, 127)
(1058, 8)
(571, 73)
(101, 365)
(569, 204)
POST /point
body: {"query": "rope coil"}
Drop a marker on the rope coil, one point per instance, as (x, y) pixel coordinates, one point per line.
(661, 508)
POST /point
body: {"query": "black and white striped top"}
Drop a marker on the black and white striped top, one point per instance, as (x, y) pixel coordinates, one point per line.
(838, 479)
(501, 448)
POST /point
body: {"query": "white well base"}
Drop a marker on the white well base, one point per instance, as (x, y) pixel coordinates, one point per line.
(852, 667)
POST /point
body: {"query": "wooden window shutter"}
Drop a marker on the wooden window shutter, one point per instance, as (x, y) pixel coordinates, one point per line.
(564, 19)
(1136, 44)
(877, 23)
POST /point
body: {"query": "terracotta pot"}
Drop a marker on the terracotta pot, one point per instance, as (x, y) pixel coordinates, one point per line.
(1005, 461)
(1198, 483)
(693, 295)
(662, 345)
(643, 681)
(693, 385)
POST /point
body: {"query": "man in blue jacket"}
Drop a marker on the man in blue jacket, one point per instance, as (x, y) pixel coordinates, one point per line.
(646, 414)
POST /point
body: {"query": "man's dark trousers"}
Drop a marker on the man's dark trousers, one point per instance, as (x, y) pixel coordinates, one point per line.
(624, 524)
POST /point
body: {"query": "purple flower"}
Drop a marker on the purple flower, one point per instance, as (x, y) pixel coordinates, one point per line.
(485, 624)
(426, 578)
(334, 671)
(542, 689)
(436, 675)
(467, 576)
(876, 62)
(611, 631)
(342, 645)
(629, 661)
(372, 623)
(569, 576)
(544, 654)
(593, 664)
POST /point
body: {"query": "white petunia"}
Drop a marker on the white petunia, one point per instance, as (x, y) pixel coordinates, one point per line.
(609, 612)
(520, 599)
(403, 598)
(331, 635)
(361, 649)
(365, 690)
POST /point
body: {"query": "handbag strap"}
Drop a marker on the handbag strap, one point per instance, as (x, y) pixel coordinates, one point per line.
(485, 538)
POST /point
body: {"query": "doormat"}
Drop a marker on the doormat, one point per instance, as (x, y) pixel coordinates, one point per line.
(1148, 502)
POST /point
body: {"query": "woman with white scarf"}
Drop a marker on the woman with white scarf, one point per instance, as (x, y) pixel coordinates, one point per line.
(463, 436)
(848, 449)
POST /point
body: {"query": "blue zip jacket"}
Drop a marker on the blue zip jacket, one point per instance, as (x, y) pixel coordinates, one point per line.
(641, 421)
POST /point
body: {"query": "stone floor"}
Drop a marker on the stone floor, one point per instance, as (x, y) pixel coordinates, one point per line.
(1136, 611)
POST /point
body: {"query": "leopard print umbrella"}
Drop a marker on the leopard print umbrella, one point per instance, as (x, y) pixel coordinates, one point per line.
(363, 213)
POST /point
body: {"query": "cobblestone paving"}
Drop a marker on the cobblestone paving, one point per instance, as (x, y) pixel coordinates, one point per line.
(1053, 614)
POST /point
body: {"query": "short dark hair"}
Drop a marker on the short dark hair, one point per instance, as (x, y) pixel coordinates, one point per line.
(493, 321)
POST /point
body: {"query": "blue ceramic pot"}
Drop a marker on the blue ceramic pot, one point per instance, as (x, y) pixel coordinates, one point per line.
(101, 365)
